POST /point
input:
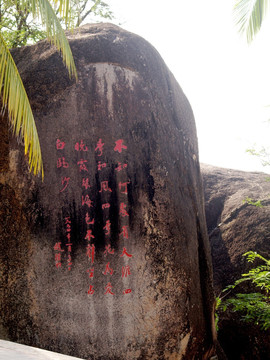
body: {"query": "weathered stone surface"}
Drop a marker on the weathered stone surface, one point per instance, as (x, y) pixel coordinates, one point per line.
(124, 92)
(234, 228)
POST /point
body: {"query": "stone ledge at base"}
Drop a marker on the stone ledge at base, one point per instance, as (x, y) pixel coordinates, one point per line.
(12, 351)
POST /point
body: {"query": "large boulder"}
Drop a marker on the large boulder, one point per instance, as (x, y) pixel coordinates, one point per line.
(235, 226)
(108, 258)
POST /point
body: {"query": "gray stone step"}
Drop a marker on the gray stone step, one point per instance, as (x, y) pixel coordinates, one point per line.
(13, 351)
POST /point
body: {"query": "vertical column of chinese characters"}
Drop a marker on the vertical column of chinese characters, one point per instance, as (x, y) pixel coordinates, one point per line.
(68, 241)
(62, 164)
(124, 215)
(87, 205)
(104, 191)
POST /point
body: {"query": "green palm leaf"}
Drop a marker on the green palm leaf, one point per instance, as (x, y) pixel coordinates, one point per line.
(55, 32)
(15, 99)
(249, 15)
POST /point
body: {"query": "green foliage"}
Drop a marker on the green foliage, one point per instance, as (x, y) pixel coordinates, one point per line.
(24, 22)
(254, 306)
(19, 27)
(249, 201)
(262, 154)
(249, 15)
(14, 98)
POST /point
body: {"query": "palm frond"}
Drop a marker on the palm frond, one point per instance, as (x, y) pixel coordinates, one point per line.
(55, 32)
(14, 97)
(249, 15)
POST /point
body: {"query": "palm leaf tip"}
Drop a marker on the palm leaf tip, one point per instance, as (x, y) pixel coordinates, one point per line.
(249, 15)
(15, 99)
(56, 34)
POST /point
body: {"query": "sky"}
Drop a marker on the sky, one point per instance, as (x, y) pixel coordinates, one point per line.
(226, 80)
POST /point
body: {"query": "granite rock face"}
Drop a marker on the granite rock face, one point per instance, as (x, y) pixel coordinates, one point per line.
(235, 227)
(107, 258)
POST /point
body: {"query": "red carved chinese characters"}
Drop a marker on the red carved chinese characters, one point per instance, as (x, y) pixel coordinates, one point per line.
(60, 144)
(88, 221)
(120, 167)
(122, 210)
(99, 147)
(119, 146)
(108, 250)
(81, 146)
(123, 187)
(124, 232)
(125, 253)
(108, 289)
(107, 227)
(61, 162)
(65, 182)
(90, 252)
(85, 183)
(82, 166)
(89, 235)
(108, 270)
(125, 271)
(68, 244)
(86, 201)
(119, 264)
(101, 165)
(104, 186)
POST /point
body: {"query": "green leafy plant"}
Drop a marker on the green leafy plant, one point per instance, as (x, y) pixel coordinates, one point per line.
(254, 306)
(249, 201)
(13, 95)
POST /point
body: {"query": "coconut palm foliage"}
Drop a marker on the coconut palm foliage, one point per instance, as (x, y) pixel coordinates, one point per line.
(249, 15)
(14, 97)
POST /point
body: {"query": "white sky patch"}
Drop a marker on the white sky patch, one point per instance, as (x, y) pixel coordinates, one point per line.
(226, 81)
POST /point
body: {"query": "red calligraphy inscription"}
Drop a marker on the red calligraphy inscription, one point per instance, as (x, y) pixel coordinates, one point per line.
(119, 145)
(120, 167)
(108, 250)
(57, 258)
(81, 146)
(124, 232)
(61, 162)
(91, 290)
(60, 144)
(104, 186)
(124, 186)
(82, 166)
(90, 252)
(69, 262)
(101, 165)
(108, 289)
(57, 247)
(90, 272)
(85, 183)
(65, 183)
(123, 211)
(108, 270)
(69, 246)
(124, 252)
(88, 220)
(86, 201)
(125, 271)
(127, 291)
(99, 147)
(107, 227)
(89, 235)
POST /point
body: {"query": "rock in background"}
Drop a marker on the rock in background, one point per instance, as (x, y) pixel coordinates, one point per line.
(235, 227)
(107, 258)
